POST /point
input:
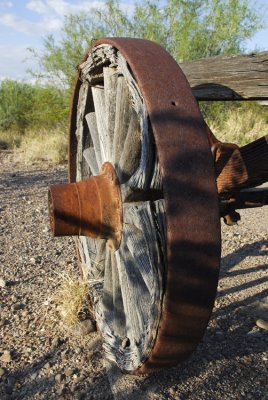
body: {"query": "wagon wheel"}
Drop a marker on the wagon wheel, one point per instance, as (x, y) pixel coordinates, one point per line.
(153, 289)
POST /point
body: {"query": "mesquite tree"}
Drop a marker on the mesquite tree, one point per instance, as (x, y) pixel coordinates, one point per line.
(187, 29)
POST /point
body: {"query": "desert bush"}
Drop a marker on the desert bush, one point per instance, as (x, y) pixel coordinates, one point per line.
(50, 107)
(16, 100)
(24, 106)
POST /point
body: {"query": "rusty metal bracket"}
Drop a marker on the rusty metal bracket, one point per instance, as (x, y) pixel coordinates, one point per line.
(249, 198)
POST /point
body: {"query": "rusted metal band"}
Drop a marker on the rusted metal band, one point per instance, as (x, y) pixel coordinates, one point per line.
(79, 208)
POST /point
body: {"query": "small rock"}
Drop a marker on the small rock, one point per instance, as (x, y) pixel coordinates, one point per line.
(55, 342)
(32, 260)
(78, 350)
(254, 332)
(78, 379)
(261, 323)
(59, 378)
(38, 260)
(85, 327)
(18, 306)
(172, 391)
(2, 371)
(24, 313)
(33, 376)
(6, 356)
(2, 283)
(69, 372)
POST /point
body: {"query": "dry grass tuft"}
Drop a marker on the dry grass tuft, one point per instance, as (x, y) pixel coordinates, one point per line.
(10, 139)
(240, 126)
(45, 145)
(72, 299)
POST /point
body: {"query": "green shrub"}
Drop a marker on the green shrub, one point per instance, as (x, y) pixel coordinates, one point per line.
(16, 100)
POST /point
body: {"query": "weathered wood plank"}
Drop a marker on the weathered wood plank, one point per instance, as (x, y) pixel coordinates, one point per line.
(119, 318)
(99, 103)
(229, 77)
(90, 157)
(130, 157)
(122, 118)
(110, 87)
(92, 126)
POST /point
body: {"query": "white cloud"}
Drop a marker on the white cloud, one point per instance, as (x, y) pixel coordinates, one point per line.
(60, 7)
(6, 4)
(30, 27)
(37, 6)
(51, 15)
(15, 60)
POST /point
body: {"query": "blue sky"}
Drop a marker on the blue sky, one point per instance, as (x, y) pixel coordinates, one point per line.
(23, 23)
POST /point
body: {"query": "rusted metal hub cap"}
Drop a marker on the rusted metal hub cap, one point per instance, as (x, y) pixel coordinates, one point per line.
(89, 208)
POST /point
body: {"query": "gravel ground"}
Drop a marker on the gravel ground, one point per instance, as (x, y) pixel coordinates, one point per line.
(38, 360)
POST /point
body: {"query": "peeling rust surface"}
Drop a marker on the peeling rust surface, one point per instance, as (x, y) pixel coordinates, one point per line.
(91, 207)
(240, 167)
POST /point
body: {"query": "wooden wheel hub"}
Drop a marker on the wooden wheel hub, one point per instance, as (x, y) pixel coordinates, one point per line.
(91, 207)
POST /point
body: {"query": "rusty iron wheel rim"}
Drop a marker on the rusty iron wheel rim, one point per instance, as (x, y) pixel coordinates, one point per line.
(193, 249)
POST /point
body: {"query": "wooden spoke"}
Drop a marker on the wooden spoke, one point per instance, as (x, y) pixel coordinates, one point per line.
(119, 317)
(92, 253)
(80, 128)
(122, 118)
(92, 126)
(107, 296)
(99, 103)
(110, 77)
(130, 157)
(90, 157)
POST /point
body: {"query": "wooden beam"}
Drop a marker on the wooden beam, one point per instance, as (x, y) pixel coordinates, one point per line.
(229, 77)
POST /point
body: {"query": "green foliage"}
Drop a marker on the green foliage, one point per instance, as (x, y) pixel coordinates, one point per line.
(50, 107)
(23, 105)
(188, 29)
(16, 101)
